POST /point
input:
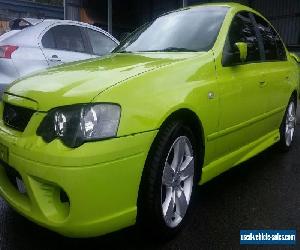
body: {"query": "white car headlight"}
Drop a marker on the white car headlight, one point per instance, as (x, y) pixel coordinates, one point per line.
(77, 124)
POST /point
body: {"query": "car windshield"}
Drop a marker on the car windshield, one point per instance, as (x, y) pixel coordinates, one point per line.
(192, 29)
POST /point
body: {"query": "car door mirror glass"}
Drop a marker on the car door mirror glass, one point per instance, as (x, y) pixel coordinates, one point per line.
(237, 56)
(231, 58)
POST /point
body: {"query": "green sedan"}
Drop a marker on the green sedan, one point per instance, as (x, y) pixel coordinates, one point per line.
(95, 146)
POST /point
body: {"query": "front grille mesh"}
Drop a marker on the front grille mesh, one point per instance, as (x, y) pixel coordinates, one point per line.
(16, 117)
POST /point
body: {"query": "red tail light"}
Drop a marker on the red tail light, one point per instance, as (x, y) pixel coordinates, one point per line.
(7, 50)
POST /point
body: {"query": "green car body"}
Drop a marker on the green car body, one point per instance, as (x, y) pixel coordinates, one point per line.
(238, 109)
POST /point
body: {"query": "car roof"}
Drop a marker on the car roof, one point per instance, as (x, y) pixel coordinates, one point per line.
(221, 4)
(48, 22)
(29, 36)
(231, 5)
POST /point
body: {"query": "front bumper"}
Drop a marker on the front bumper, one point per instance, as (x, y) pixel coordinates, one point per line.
(100, 179)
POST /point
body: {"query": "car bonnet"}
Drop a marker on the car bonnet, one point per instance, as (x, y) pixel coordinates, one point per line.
(80, 82)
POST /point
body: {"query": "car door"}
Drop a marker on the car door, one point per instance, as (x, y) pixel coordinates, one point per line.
(278, 72)
(63, 44)
(242, 99)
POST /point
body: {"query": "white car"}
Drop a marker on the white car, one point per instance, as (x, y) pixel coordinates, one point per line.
(36, 44)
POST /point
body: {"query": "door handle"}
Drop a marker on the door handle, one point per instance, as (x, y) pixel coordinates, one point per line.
(55, 58)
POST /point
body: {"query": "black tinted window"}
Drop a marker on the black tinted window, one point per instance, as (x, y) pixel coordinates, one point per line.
(66, 37)
(194, 29)
(274, 48)
(242, 30)
(48, 40)
(19, 24)
(101, 44)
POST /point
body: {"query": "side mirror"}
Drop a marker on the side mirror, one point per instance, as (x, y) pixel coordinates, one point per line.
(238, 56)
(243, 50)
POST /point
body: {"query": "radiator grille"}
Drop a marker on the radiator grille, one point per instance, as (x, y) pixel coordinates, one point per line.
(16, 117)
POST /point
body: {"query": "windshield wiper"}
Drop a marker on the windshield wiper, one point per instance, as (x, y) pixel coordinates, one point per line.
(175, 49)
(171, 49)
(121, 51)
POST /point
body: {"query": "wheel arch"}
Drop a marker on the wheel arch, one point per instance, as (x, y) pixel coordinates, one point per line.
(191, 119)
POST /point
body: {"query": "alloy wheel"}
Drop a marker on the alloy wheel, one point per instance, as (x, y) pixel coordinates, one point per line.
(290, 124)
(177, 181)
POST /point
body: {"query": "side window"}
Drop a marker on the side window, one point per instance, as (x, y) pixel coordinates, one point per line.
(242, 30)
(101, 44)
(48, 40)
(64, 37)
(274, 48)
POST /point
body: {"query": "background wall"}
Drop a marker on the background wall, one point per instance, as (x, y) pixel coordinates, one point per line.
(11, 9)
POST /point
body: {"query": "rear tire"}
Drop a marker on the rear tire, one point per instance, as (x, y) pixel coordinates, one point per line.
(168, 182)
(288, 126)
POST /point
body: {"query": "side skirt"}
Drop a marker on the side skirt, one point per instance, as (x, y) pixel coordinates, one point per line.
(221, 165)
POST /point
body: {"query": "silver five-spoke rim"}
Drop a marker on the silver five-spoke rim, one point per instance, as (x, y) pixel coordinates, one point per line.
(290, 124)
(177, 181)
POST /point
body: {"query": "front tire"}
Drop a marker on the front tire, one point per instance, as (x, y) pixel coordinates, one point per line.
(288, 126)
(169, 179)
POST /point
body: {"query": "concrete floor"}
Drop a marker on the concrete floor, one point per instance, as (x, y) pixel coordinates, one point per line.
(262, 193)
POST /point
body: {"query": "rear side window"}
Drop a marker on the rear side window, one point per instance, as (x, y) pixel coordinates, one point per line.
(101, 44)
(48, 40)
(274, 48)
(64, 37)
(242, 30)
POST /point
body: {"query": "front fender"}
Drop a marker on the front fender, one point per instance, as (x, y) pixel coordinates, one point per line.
(148, 99)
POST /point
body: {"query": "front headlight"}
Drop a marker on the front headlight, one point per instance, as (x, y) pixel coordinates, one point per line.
(77, 124)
